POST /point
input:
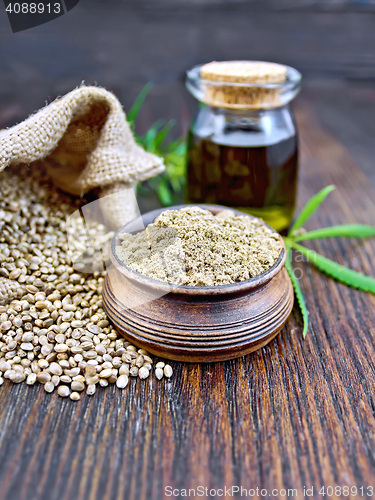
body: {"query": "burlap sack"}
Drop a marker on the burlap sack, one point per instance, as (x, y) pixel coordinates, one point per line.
(85, 142)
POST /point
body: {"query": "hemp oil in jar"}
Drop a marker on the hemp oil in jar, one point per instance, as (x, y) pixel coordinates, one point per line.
(242, 147)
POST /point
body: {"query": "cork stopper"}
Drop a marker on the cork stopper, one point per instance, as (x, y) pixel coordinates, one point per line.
(251, 81)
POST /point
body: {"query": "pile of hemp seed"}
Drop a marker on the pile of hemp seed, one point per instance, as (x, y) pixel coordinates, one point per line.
(53, 329)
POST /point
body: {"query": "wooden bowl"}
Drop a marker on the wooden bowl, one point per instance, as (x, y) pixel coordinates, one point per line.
(195, 324)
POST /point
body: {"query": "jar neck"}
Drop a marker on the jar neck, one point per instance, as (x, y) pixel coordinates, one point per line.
(238, 114)
(247, 120)
(244, 127)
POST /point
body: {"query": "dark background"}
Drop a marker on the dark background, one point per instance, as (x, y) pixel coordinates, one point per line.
(122, 45)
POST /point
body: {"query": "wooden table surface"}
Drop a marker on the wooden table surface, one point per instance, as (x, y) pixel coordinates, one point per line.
(298, 413)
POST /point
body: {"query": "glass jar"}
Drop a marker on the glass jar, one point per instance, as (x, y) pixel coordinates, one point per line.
(244, 154)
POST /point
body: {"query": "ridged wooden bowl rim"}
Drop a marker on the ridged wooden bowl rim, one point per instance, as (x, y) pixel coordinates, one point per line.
(243, 286)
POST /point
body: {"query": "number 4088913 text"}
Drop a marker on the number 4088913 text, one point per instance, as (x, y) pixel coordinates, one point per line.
(33, 8)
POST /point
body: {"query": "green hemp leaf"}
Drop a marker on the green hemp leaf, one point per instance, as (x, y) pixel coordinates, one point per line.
(328, 266)
(169, 185)
(298, 293)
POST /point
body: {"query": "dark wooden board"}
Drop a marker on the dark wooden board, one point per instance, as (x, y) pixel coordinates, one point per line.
(296, 413)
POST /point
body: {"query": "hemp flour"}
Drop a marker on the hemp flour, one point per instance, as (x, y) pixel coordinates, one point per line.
(193, 247)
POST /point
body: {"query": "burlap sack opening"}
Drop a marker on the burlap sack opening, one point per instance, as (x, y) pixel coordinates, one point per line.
(84, 142)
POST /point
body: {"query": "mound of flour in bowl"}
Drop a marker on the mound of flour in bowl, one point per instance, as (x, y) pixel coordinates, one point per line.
(193, 247)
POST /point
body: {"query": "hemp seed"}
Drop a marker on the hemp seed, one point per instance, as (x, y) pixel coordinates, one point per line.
(168, 371)
(74, 396)
(63, 391)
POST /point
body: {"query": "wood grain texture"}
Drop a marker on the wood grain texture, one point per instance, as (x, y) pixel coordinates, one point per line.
(294, 413)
